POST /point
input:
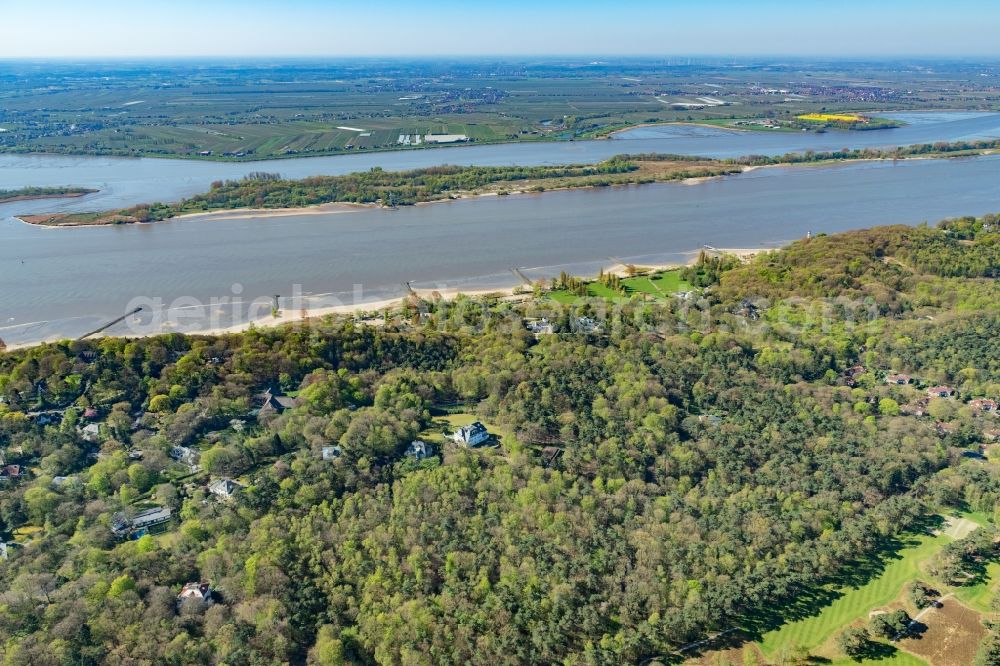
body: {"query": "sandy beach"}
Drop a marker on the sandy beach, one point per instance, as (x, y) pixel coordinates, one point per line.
(248, 213)
(376, 307)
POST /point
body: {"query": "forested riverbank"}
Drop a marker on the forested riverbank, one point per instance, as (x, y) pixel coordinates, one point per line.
(269, 191)
(662, 470)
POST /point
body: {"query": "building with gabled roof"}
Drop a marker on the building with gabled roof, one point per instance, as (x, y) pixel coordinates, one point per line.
(224, 488)
(273, 402)
(473, 434)
(983, 405)
(10, 472)
(197, 591)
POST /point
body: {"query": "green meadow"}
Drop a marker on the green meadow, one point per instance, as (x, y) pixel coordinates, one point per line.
(659, 285)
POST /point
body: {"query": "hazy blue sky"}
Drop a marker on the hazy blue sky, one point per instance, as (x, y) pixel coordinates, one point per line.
(390, 27)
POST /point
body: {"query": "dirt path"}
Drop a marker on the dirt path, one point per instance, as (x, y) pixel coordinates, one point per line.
(958, 528)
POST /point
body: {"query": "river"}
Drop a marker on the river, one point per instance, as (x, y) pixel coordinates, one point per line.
(61, 282)
(125, 182)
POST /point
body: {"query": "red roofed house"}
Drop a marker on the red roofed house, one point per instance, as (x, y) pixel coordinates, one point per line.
(901, 380)
(983, 405)
(10, 472)
(940, 392)
(915, 408)
(946, 428)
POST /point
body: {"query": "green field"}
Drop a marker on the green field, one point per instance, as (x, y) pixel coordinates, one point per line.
(205, 111)
(844, 605)
(854, 603)
(439, 432)
(659, 285)
(979, 597)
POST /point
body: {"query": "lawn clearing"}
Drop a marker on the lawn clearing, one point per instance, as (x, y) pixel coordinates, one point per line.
(854, 603)
(441, 427)
(666, 283)
(658, 285)
(979, 597)
(958, 528)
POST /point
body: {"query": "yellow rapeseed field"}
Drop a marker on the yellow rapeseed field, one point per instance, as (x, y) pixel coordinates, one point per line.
(833, 117)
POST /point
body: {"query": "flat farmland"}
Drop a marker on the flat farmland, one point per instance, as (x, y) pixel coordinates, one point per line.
(256, 110)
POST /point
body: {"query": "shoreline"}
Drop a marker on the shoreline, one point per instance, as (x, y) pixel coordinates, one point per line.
(447, 294)
(339, 207)
(38, 197)
(687, 123)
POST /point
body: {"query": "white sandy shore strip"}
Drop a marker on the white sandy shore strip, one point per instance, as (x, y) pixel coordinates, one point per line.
(451, 293)
(247, 213)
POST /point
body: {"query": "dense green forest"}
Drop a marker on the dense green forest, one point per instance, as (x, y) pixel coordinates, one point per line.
(693, 465)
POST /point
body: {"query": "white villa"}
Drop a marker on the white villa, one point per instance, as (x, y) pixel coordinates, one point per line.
(224, 488)
(471, 435)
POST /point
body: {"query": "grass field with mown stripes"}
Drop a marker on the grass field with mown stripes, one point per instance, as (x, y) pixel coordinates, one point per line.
(855, 603)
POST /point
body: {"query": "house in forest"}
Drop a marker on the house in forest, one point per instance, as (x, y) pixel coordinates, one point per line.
(419, 450)
(122, 525)
(898, 380)
(983, 405)
(225, 489)
(915, 408)
(272, 402)
(331, 452)
(197, 591)
(851, 375)
(473, 434)
(946, 428)
(186, 456)
(940, 392)
(10, 473)
(540, 326)
(61, 481)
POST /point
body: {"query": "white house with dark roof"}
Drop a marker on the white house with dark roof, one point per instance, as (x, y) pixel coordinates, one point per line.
(197, 591)
(473, 434)
(224, 488)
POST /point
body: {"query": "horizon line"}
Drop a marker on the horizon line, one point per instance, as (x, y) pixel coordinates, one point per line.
(511, 56)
